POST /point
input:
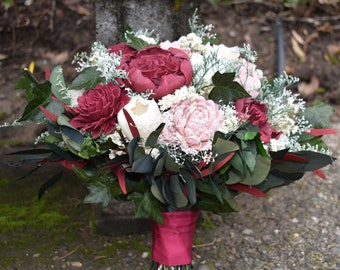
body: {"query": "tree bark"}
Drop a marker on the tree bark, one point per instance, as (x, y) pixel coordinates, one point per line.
(168, 21)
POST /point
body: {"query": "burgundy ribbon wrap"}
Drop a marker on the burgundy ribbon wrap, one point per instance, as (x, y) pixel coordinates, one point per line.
(172, 240)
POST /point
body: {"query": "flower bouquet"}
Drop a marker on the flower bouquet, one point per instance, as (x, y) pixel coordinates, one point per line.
(176, 127)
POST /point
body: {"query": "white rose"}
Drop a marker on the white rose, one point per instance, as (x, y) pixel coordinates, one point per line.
(145, 114)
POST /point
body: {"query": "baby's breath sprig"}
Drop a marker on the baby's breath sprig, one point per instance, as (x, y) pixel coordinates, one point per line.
(201, 30)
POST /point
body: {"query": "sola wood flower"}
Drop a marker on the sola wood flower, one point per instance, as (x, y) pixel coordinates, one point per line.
(192, 124)
(97, 109)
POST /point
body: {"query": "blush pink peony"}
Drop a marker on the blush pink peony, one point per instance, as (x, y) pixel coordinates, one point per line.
(250, 78)
(192, 124)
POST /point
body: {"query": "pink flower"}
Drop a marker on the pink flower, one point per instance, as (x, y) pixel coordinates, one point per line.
(98, 108)
(255, 112)
(192, 125)
(249, 78)
(162, 71)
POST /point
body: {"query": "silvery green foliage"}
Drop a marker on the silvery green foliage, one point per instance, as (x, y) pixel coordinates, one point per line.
(248, 53)
(285, 112)
(144, 34)
(199, 29)
(105, 62)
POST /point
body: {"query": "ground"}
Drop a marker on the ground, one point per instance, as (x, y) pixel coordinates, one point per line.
(294, 228)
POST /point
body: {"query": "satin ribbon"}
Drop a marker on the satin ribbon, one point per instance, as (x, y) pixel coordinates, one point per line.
(172, 240)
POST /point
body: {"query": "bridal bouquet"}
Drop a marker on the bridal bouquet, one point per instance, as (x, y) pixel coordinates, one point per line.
(175, 127)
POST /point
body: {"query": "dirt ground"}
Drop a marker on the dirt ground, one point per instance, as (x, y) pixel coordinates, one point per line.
(266, 235)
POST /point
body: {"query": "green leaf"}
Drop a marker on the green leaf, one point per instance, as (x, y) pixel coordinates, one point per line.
(155, 190)
(59, 88)
(222, 146)
(26, 83)
(153, 137)
(191, 186)
(319, 115)
(212, 204)
(260, 173)
(134, 149)
(216, 191)
(143, 164)
(49, 183)
(226, 89)
(171, 165)
(87, 79)
(146, 205)
(135, 42)
(315, 161)
(159, 165)
(176, 190)
(88, 148)
(250, 136)
(41, 96)
(249, 159)
(99, 194)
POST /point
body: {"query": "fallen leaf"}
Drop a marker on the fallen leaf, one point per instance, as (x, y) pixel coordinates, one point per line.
(327, 27)
(298, 51)
(57, 58)
(297, 37)
(309, 39)
(307, 90)
(83, 11)
(3, 56)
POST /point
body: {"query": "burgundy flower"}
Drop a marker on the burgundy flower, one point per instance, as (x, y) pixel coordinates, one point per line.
(255, 112)
(121, 48)
(98, 108)
(162, 71)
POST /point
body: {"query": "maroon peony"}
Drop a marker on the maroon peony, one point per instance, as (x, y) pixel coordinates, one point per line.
(255, 112)
(98, 108)
(152, 68)
(121, 48)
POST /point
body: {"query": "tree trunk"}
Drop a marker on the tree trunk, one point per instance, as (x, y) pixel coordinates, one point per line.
(164, 17)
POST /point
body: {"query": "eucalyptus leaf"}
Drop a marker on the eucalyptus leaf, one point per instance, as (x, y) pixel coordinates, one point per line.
(212, 204)
(314, 161)
(191, 186)
(249, 159)
(260, 173)
(72, 134)
(156, 191)
(143, 164)
(176, 190)
(223, 146)
(160, 161)
(171, 165)
(58, 85)
(215, 190)
(87, 79)
(153, 137)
